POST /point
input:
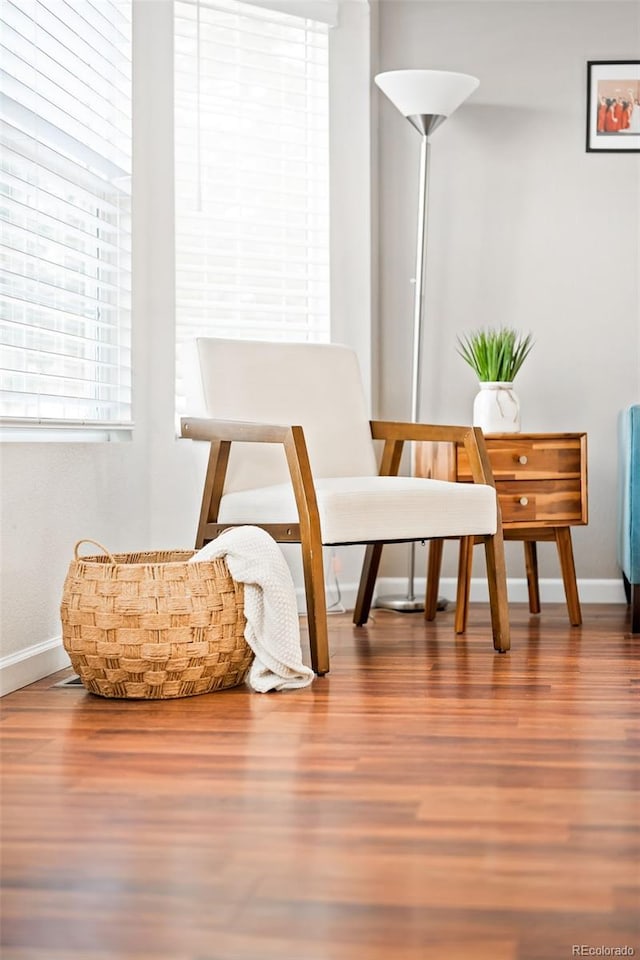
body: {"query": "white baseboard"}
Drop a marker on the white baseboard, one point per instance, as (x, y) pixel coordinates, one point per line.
(39, 660)
(551, 590)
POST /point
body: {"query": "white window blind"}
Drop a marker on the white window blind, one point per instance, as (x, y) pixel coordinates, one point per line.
(252, 175)
(65, 182)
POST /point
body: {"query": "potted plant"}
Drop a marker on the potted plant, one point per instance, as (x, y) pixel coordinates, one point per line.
(496, 356)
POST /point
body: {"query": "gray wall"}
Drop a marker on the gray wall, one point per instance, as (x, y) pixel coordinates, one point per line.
(525, 228)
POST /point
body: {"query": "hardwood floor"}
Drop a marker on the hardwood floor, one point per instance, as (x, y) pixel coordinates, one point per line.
(429, 799)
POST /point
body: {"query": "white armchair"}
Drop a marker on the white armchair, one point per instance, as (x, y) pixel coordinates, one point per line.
(292, 452)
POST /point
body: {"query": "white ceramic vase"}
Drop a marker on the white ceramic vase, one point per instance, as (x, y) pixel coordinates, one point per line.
(496, 408)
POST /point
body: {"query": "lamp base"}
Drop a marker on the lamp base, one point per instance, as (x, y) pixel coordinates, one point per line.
(403, 604)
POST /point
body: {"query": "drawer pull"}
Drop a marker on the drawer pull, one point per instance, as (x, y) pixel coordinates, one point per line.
(523, 459)
(524, 501)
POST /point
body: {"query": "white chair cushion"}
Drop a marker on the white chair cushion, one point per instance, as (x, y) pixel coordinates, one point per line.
(366, 509)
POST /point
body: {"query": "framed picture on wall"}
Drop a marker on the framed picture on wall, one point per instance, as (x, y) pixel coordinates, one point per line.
(613, 106)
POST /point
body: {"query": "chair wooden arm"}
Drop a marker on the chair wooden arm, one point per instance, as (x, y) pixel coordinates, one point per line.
(395, 433)
(220, 434)
(202, 428)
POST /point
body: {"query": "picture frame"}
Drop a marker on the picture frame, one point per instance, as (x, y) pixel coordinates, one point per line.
(613, 106)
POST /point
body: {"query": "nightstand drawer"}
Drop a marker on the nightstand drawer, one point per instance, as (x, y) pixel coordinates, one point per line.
(553, 502)
(527, 458)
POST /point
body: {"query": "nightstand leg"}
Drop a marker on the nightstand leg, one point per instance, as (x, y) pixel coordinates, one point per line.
(465, 564)
(434, 566)
(531, 565)
(565, 554)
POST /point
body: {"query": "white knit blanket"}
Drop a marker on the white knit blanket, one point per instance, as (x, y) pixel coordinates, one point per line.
(273, 627)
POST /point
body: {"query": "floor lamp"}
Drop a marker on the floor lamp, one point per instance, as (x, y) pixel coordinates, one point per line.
(426, 98)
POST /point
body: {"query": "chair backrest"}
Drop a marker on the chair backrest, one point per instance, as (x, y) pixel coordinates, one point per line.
(314, 385)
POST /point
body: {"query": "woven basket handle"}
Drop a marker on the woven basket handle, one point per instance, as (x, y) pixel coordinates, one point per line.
(96, 544)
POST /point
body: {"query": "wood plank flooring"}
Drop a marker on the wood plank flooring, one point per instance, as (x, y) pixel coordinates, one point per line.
(429, 799)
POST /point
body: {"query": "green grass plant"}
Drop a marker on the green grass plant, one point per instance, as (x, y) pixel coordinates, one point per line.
(495, 354)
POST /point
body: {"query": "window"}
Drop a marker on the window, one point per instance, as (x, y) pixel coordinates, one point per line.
(252, 175)
(65, 182)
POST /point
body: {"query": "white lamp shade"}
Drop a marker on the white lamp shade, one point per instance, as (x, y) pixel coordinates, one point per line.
(431, 92)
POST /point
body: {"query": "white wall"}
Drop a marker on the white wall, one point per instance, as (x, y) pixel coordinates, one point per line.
(525, 228)
(54, 494)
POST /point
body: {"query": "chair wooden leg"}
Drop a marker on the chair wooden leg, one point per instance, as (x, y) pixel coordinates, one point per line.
(367, 583)
(316, 606)
(567, 566)
(212, 491)
(434, 567)
(627, 588)
(531, 566)
(635, 608)
(498, 600)
(465, 564)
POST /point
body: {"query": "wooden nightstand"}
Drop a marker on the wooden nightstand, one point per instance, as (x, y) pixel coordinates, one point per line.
(541, 481)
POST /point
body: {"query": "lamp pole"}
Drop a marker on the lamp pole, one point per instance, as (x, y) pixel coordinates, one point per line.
(409, 603)
(418, 310)
(418, 304)
(426, 98)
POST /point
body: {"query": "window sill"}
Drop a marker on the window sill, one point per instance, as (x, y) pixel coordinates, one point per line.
(42, 431)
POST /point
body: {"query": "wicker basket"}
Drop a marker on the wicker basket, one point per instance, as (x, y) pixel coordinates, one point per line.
(153, 626)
